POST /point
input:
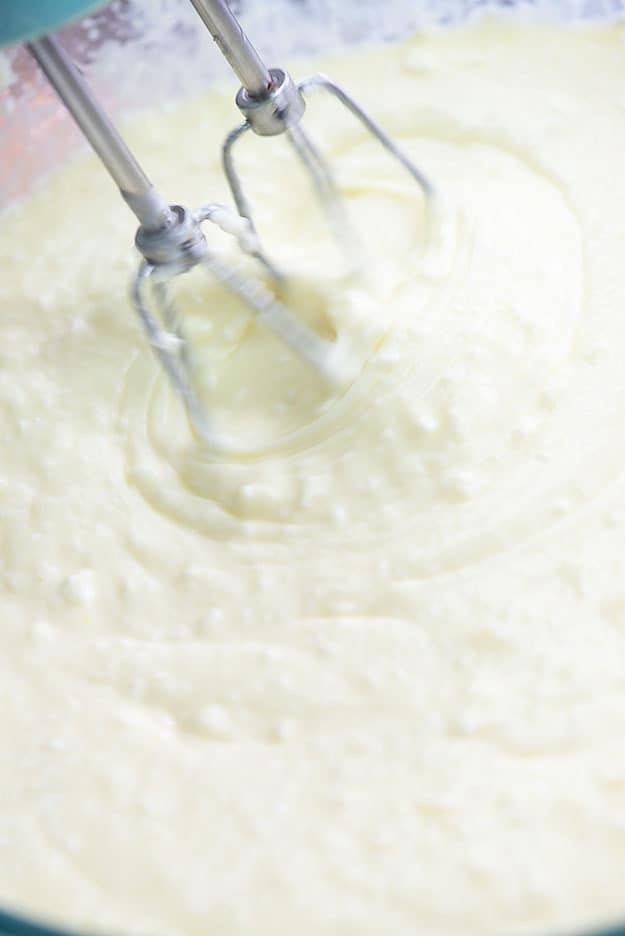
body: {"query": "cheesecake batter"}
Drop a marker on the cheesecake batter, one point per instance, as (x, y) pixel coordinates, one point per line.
(363, 673)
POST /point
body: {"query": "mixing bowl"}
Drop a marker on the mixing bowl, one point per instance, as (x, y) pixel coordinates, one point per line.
(119, 48)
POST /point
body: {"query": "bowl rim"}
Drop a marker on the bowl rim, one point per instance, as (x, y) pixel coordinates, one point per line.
(14, 924)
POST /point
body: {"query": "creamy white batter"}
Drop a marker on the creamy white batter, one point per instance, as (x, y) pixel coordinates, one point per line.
(368, 677)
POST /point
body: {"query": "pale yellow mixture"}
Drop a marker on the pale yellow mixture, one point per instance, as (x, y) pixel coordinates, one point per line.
(367, 675)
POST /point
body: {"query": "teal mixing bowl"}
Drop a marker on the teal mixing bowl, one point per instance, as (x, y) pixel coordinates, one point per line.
(26, 19)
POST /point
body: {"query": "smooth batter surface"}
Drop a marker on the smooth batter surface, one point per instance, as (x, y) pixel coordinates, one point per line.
(368, 677)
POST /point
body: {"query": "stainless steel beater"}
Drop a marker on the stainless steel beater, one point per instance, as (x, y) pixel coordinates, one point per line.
(171, 241)
(272, 103)
(170, 237)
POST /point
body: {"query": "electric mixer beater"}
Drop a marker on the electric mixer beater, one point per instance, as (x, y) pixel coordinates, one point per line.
(170, 237)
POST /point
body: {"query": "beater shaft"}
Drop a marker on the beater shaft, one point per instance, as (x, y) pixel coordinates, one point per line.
(149, 207)
(235, 46)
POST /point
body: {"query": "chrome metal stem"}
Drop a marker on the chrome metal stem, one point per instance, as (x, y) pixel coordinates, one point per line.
(235, 46)
(269, 98)
(149, 207)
